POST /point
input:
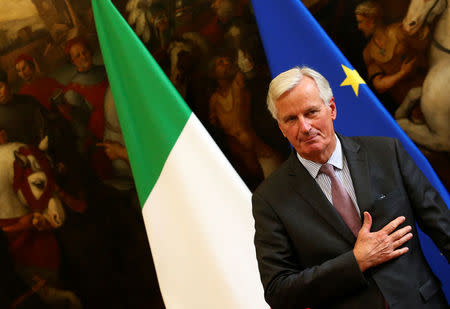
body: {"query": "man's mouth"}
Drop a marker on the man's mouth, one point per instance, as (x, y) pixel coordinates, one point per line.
(310, 138)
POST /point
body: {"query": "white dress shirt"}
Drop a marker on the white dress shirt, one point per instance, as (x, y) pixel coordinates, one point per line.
(341, 170)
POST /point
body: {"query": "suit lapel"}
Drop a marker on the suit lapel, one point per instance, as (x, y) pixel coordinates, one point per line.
(302, 182)
(359, 170)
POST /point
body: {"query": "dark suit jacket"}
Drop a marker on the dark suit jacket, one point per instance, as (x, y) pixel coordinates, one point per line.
(304, 249)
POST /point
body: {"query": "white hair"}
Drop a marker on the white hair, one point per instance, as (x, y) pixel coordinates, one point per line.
(289, 79)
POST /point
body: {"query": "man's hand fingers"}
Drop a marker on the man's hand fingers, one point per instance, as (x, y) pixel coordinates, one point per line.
(372, 249)
(402, 240)
(391, 226)
(398, 252)
(367, 224)
(400, 233)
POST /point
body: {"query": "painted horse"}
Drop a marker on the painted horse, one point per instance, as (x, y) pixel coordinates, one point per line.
(434, 94)
(30, 210)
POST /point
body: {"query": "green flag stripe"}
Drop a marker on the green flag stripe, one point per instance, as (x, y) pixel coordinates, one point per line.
(151, 112)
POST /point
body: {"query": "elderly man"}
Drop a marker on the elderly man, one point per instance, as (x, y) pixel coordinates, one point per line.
(335, 224)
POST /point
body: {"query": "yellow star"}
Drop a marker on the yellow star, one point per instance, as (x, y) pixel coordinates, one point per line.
(353, 79)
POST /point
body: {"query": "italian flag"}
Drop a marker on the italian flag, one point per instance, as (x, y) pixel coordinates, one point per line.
(196, 209)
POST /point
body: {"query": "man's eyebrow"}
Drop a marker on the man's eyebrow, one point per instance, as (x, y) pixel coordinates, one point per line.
(312, 108)
(284, 118)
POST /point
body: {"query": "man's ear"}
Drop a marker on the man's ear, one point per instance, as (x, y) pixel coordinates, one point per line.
(332, 106)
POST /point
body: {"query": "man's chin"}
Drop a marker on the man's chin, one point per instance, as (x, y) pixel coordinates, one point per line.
(309, 148)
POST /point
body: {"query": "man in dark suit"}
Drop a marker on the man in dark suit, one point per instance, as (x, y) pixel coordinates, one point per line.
(335, 224)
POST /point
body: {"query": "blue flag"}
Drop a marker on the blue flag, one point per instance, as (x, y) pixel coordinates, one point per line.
(292, 37)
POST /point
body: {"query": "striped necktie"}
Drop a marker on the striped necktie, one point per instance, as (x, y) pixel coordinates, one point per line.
(342, 201)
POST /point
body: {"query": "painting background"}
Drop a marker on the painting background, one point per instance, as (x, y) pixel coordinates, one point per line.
(106, 258)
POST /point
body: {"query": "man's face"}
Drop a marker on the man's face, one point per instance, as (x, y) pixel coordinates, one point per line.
(307, 122)
(366, 25)
(5, 94)
(24, 70)
(224, 68)
(81, 57)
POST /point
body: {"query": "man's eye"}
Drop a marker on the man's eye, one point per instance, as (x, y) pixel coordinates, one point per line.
(290, 119)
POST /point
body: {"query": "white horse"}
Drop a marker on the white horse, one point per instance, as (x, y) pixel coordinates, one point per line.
(434, 94)
(13, 201)
(29, 204)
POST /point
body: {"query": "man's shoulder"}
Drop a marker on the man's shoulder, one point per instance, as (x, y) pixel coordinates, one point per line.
(376, 147)
(369, 141)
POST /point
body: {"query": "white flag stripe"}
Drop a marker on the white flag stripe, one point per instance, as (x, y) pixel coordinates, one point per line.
(198, 218)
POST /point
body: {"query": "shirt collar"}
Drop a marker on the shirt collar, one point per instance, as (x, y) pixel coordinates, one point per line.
(336, 159)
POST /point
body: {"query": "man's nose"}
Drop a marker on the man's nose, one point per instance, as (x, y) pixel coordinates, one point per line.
(304, 125)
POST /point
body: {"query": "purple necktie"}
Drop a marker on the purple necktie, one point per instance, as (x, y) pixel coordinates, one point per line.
(342, 201)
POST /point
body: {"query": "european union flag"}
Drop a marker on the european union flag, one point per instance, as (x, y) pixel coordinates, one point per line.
(292, 37)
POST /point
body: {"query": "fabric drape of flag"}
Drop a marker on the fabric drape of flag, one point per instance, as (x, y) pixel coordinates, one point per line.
(196, 209)
(292, 37)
